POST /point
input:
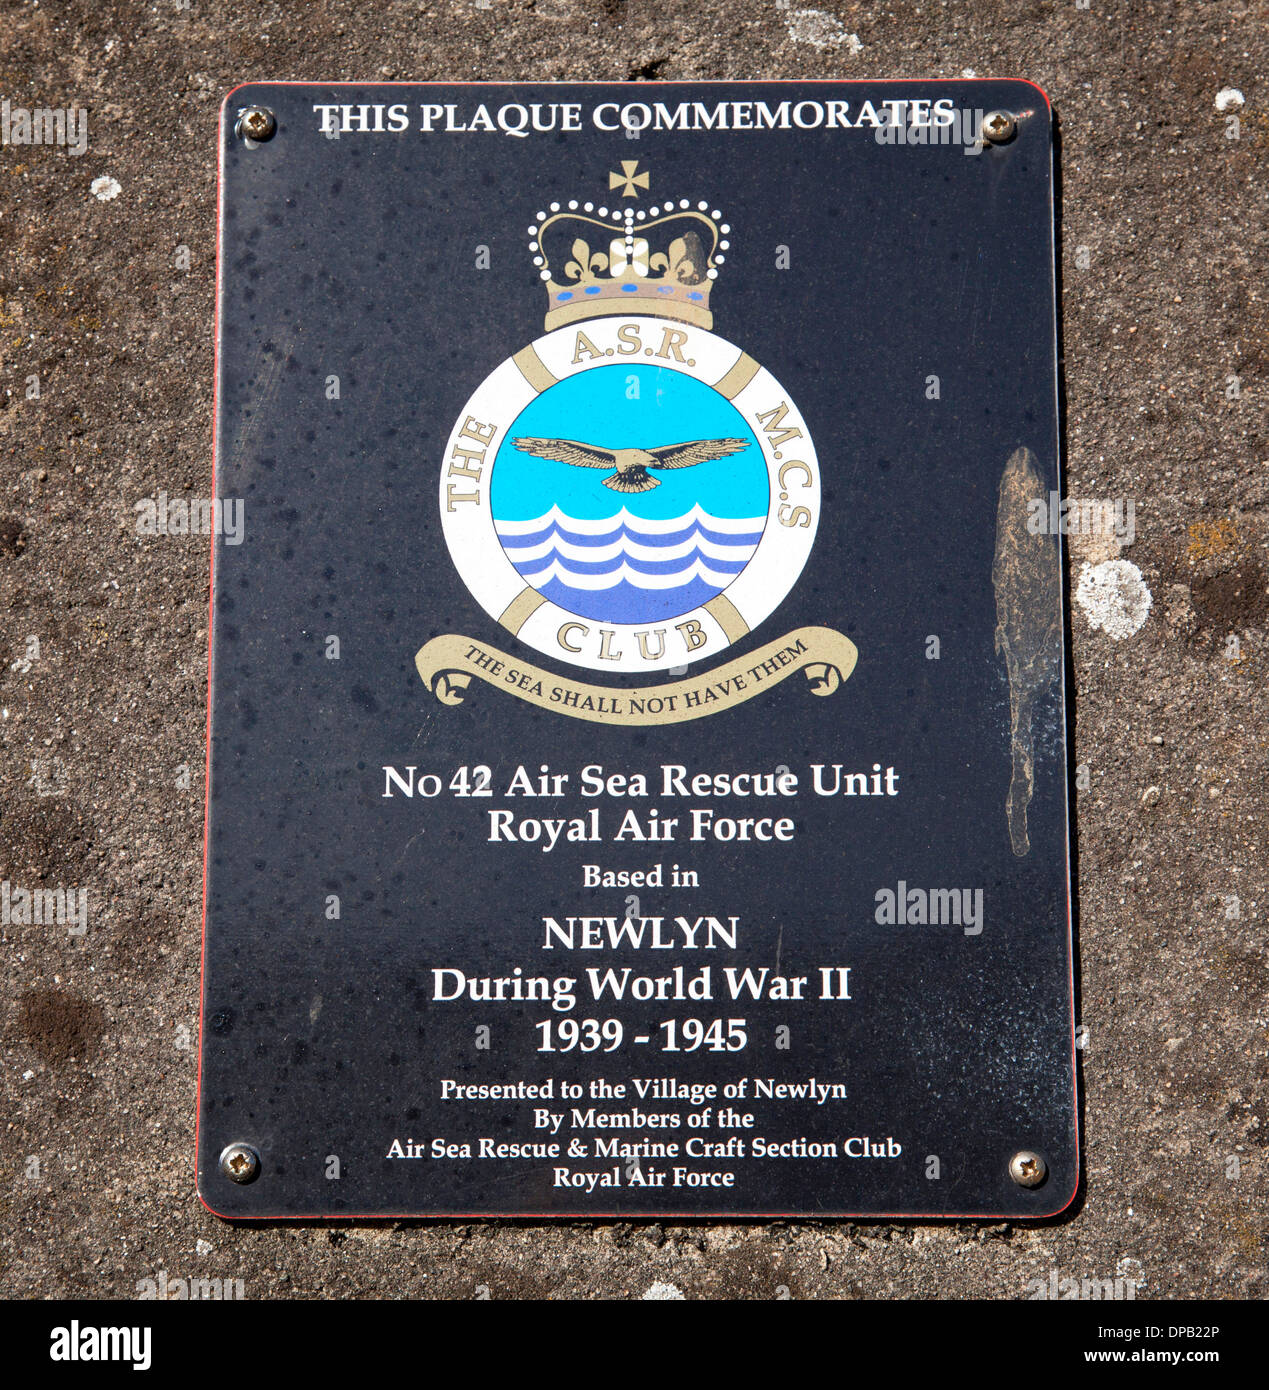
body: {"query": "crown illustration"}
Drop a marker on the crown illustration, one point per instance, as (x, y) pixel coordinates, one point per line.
(661, 261)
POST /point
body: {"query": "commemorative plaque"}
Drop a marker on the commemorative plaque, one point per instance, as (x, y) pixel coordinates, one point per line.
(637, 742)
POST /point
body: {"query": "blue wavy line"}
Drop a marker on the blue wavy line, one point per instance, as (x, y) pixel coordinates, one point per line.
(555, 532)
(680, 565)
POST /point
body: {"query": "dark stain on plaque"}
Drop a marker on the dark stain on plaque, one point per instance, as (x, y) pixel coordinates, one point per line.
(1025, 577)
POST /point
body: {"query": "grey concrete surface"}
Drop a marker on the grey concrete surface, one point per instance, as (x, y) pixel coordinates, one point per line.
(1166, 335)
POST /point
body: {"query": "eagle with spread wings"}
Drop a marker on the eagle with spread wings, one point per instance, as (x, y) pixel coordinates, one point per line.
(630, 466)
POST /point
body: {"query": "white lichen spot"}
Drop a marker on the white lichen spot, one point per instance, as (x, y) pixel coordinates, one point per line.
(661, 1292)
(821, 30)
(968, 72)
(1228, 99)
(105, 188)
(203, 1247)
(1114, 597)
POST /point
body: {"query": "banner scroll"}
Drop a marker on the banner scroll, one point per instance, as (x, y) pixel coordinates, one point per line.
(826, 657)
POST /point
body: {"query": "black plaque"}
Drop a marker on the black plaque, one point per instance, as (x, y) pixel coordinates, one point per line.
(637, 756)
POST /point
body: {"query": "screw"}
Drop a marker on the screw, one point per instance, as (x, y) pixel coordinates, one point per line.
(255, 123)
(1027, 1168)
(999, 127)
(240, 1163)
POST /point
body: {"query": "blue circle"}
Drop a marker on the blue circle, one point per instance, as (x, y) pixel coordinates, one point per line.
(629, 556)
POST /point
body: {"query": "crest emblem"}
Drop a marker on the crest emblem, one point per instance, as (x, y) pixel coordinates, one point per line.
(630, 492)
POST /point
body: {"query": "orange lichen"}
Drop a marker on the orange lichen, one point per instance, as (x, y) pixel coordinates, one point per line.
(1208, 538)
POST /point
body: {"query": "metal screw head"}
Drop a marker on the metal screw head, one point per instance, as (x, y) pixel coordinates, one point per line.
(1027, 1168)
(255, 123)
(240, 1163)
(999, 126)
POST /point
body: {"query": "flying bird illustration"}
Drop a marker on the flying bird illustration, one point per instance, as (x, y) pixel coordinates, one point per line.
(630, 465)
